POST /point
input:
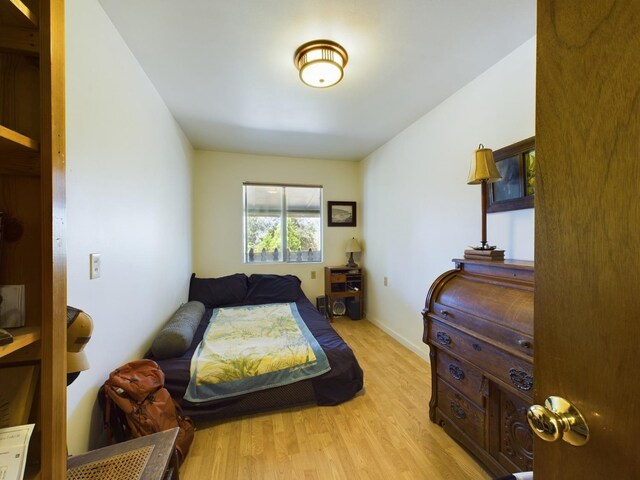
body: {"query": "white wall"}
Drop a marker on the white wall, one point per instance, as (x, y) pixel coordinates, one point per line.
(420, 213)
(217, 208)
(128, 198)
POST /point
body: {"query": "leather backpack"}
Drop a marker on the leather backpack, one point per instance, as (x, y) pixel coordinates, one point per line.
(137, 404)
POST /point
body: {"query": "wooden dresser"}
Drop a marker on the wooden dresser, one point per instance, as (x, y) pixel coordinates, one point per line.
(478, 323)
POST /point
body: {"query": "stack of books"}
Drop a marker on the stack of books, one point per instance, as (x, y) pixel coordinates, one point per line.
(484, 254)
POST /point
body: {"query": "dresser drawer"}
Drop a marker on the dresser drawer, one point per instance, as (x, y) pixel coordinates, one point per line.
(338, 278)
(461, 412)
(512, 371)
(461, 376)
(512, 339)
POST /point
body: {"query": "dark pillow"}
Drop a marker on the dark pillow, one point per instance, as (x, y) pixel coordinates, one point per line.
(217, 292)
(265, 288)
(176, 336)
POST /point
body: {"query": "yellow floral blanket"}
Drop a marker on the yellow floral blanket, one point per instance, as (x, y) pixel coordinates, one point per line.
(250, 348)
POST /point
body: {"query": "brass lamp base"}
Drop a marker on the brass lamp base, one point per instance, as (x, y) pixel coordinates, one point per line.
(484, 246)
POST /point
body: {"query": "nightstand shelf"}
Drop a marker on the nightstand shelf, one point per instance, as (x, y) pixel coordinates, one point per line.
(344, 289)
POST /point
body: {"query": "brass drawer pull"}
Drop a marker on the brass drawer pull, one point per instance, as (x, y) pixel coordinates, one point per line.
(444, 313)
(458, 411)
(524, 344)
(456, 372)
(477, 347)
(443, 339)
(521, 380)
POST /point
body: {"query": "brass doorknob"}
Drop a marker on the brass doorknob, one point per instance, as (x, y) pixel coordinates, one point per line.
(558, 419)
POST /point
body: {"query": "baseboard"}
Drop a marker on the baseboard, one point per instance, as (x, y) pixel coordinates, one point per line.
(417, 349)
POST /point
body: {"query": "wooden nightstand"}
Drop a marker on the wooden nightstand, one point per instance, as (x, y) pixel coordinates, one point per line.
(343, 287)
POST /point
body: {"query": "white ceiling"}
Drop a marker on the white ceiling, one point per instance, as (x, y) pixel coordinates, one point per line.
(225, 67)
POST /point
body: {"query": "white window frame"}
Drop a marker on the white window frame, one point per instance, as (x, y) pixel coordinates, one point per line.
(283, 224)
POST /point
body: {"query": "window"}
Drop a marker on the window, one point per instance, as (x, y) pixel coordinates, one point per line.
(282, 223)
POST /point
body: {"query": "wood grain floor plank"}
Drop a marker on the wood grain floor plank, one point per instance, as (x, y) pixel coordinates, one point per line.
(383, 433)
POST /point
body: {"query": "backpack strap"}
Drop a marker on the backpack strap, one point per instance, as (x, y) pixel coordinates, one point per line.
(107, 418)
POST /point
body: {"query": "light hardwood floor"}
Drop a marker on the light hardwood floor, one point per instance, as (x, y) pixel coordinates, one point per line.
(384, 433)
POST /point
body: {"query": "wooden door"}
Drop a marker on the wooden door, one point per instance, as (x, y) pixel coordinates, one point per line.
(587, 224)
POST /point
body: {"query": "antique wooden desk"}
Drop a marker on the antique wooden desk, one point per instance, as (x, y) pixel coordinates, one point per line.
(478, 323)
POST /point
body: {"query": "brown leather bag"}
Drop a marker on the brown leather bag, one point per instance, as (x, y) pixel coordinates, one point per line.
(137, 390)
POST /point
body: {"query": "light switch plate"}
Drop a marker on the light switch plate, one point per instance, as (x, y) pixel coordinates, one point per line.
(95, 265)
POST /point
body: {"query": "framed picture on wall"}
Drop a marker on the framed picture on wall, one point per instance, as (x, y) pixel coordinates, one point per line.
(341, 214)
(516, 190)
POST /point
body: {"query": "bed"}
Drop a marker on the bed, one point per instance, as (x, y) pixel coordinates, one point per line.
(224, 294)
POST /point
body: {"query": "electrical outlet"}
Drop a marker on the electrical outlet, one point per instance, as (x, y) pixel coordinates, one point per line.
(385, 281)
(95, 266)
(313, 274)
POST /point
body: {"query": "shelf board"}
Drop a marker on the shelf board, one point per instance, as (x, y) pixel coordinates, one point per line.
(11, 140)
(17, 14)
(22, 337)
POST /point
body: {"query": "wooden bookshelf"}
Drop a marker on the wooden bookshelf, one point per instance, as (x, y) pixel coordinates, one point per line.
(32, 176)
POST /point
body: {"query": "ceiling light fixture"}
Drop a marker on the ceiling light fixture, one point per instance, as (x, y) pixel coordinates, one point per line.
(321, 63)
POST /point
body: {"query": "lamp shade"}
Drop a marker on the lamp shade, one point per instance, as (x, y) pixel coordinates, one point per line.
(483, 167)
(321, 63)
(353, 246)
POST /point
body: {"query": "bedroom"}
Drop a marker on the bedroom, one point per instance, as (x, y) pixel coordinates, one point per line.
(118, 199)
(178, 198)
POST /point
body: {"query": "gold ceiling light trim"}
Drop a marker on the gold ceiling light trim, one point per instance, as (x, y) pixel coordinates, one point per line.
(321, 63)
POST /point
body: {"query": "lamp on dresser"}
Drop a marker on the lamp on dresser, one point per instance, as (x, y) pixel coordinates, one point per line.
(483, 171)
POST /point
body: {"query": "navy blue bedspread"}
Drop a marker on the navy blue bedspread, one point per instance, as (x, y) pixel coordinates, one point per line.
(341, 383)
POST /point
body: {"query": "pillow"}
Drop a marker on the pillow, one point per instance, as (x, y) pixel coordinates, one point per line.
(217, 292)
(176, 336)
(265, 288)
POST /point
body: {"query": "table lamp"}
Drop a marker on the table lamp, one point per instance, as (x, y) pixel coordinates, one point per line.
(352, 247)
(483, 171)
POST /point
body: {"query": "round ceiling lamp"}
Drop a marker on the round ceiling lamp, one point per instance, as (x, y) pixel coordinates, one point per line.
(321, 63)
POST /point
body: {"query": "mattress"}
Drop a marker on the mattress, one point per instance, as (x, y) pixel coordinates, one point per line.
(341, 383)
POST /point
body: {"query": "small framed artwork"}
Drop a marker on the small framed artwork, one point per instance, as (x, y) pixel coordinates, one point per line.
(516, 190)
(342, 214)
